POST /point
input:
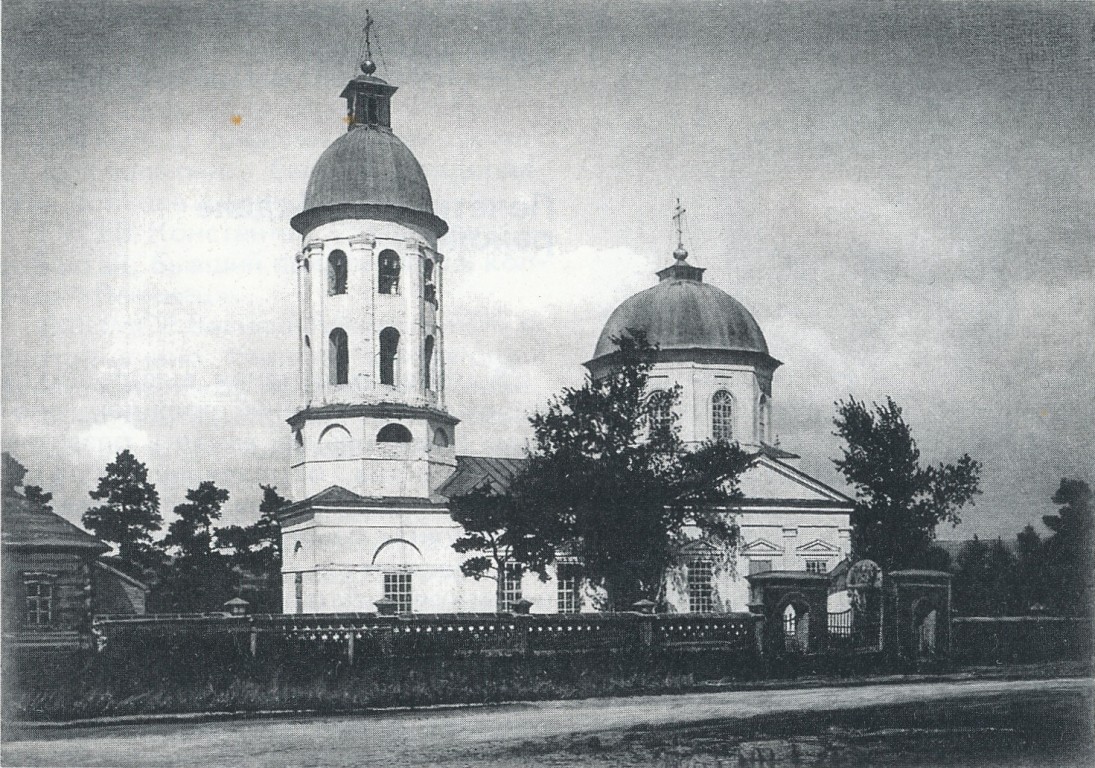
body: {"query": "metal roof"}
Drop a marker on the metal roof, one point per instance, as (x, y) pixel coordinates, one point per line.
(685, 315)
(473, 471)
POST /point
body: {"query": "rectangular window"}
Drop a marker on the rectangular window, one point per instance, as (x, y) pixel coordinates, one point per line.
(569, 598)
(298, 581)
(397, 588)
(701, 592)
(817, 566)
(511, 588)
(759, 566)
(39, 602)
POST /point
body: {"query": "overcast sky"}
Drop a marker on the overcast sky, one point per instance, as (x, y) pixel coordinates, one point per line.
(901, 195)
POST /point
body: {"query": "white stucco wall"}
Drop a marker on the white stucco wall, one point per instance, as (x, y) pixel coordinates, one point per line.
(699, 382)
(338, 555)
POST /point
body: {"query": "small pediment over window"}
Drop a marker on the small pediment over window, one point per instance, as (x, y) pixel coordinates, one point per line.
(761, 547)
(699, 547)
(818, 546)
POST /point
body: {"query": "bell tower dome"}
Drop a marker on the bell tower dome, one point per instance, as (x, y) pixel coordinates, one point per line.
(370, 296)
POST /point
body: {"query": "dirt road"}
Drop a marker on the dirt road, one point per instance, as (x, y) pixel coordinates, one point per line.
(464, 736)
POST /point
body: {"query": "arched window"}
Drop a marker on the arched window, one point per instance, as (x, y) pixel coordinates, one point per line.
(440, 438)
(389, 355)
(336, 273)
(659, 411)
(388, 272)
(722, 416)
(762, 419)
(427, 364)
(429, 290)
(394, 433)
(339, 363)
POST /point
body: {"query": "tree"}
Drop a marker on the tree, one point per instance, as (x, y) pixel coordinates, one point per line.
(505, 534)
(192, 533)
(985, 583)
(609, 481)
(254, 553)
(131, 512)
(197, 578)
(42, 498)
(898, 502)
(1070, 552)
(13, 475)
(1030, 570)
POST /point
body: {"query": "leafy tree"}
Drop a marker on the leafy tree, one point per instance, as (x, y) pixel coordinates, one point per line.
(1070, 552)
(610, 482)
(254, 553)
(937, 559)
(985, 583)
(898, 502)
(131, 512)
(504, 532)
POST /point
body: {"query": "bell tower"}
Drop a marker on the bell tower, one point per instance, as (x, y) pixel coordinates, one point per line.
(370, 298)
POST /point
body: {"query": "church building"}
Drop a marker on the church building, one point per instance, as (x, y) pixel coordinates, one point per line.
(374, 447)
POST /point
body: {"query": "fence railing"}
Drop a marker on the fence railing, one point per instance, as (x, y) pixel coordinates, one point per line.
(453, 634)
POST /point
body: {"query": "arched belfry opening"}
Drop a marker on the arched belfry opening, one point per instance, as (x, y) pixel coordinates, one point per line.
(336, 273)
(339, 354)
(389, 356)
(388, 272)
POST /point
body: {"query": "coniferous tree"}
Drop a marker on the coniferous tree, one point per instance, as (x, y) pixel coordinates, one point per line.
(254, 553)
(898, 502)
(197, 578)
(130, 513)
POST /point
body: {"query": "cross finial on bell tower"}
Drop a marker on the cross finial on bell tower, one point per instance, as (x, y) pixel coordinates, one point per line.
(368, 66)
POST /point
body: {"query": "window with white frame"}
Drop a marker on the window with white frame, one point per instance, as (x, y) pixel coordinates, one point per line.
(39, 590)
(722, 416)
(511, 588)
(569, 581)
(701, 590)
(397, 588)
(660, 412)
(817, 566)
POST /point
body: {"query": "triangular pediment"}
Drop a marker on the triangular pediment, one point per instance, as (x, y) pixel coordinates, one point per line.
(770, 480)
(817, 546)
(698, 547)
(761, 547)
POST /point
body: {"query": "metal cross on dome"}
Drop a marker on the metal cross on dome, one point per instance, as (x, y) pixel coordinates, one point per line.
(678, 218)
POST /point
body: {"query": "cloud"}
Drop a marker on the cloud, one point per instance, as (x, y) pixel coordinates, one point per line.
(110, 437)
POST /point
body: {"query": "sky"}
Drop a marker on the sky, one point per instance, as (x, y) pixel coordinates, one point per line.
(902, 195)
